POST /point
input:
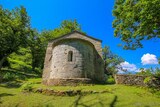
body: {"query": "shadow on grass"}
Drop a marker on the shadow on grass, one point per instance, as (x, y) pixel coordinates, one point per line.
(78, 102)
(22, 75)
(6, 94)
(11, 84)
(114, 101)
(13, 78)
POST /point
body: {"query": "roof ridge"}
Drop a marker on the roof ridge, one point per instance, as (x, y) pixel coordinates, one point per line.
(75, 31)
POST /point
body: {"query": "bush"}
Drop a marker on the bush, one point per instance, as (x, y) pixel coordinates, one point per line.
(27, 87)
(19, 65)
(153, 79)
(110, 80)
(21, 60)
(152, 82)
(9, 76)
(147, 80)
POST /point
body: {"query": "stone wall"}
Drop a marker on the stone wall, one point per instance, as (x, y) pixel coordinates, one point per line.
(81, 66)
(130, 79)
(67, 81)
(91, 59)
(77, 35)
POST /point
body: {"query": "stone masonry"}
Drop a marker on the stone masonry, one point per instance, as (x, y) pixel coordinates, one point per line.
(130, 79)
(73, 57)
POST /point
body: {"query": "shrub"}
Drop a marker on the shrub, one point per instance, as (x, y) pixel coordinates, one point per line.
(110, 80)
(152, 82)
(19, 65)
(153, 79)
(27, 87)
(147, 80)
(9, 76)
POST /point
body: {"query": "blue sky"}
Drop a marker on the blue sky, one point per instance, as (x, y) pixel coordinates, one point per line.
(95, 18)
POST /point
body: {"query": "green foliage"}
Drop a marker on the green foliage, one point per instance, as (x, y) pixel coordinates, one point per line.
(21, 60)
(153, 77)
(147, 80)
(136, 20)
(9, 76)
(23, 47)
(152, 83)
(157, 72)
(31, 57)
(37, 50)
(111, 61)
(110, 80)
(66, 26)
(12, 76)
(16, 75)
(14, 27)
(146, 72)
(156, 79)
(27, 87)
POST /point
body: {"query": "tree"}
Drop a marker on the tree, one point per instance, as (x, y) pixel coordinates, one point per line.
(31, 58)
(111, 61)
(70, 25)
(136, 20)
(20, 60)
(37, 49)
(66, 26)
(14, 26)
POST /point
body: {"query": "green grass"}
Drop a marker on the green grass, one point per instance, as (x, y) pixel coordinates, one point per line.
(116, 96)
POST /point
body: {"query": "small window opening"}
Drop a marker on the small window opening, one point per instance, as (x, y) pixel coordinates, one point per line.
(70, 56)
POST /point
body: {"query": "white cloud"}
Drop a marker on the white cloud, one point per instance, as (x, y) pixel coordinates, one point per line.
(128, 67)
(149, 59)
(140, 70)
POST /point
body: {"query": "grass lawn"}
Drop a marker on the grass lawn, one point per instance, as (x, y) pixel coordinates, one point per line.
(11, 95)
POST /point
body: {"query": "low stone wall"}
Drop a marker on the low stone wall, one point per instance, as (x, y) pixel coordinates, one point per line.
(130, 79)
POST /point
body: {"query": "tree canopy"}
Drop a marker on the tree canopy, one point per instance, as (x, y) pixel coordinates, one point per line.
(17, 38)
(31, 57)
(14, 27)
(136, 20)
(111, 61)
(65, 27)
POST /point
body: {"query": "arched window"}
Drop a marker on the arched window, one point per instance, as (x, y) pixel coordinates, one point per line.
(70, 56)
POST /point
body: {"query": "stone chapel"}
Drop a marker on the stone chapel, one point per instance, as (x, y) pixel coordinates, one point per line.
(73, 58)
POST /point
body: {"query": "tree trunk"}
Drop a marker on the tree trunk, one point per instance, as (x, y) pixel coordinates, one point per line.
(2, 61)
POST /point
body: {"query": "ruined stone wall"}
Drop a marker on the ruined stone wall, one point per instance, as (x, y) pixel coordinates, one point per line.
(81, 65)
(130, 79)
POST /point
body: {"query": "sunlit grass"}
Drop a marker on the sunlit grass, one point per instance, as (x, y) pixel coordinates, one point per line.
(117, 96)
